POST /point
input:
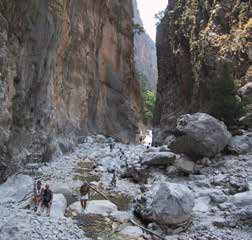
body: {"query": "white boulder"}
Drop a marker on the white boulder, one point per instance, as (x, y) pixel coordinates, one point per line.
(95, 207)
(16, 189)
(59, 205)
(243, 199)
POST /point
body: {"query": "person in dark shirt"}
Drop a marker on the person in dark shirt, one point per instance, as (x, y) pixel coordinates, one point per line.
(47, 199)
(84, 195)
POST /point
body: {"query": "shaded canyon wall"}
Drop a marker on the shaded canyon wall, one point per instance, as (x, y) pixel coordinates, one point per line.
(66, 70)
(195, 41)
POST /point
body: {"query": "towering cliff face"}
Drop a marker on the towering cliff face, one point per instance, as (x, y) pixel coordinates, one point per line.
(66, 69)
(145, 55)
(196, 40)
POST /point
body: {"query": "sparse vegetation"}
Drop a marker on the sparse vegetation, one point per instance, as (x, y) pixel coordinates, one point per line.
(148, 99)
(224, 104)
(142, 79)
(248, 25)
(159, 16)
(148, 105)
(138, 29)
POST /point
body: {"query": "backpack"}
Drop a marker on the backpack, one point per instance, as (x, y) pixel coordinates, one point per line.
(47, 196)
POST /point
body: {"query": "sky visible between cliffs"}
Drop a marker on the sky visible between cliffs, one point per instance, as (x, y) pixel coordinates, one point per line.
(148, 9)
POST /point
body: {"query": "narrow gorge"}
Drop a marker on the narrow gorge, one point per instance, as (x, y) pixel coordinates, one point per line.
(160, 132)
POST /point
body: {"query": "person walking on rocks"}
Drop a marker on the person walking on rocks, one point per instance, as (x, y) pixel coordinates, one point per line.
(47, 198)
(38, 193)
(121, 154)
(111, 146)
(84, 193)
(113, 180)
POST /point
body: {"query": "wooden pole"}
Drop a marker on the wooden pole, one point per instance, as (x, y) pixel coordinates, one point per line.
(103, 195)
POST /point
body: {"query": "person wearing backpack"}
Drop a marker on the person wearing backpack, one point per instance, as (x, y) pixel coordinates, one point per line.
(47, 198)
(37, 194)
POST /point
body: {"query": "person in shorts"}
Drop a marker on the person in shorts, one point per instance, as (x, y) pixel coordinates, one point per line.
(84, 195)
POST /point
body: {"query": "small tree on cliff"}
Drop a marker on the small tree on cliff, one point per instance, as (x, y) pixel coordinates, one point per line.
(224, 104)
(138, 29)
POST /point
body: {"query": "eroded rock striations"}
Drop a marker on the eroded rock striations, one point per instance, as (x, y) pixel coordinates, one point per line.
(66, 69)
(145, 55)
(196, 42)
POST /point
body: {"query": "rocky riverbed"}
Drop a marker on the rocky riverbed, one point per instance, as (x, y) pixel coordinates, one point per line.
(220, 206)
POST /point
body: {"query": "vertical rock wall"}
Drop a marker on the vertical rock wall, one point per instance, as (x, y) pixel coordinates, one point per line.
(195, 41)
(66, 70)
(145, 54)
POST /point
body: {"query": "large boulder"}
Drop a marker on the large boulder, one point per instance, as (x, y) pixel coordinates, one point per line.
(241, 144)
(16, 189)
(243, 199)
(59, 205)
(158, 158)
(167, 204)
(200, 134)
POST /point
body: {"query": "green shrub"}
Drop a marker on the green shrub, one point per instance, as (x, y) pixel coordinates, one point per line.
(148, 105)
(224, 104)
(143, 80)
(138, 29)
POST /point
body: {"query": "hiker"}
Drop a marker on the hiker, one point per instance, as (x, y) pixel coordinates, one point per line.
(113, 180)
(111, 146)
(47, 198)
(121, 153)
(37, 195)
(84, 193)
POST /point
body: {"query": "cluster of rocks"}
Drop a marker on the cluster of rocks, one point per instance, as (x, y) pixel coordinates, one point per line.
(207, 195)
(197, 139)
(196, 149)
(23, 224)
